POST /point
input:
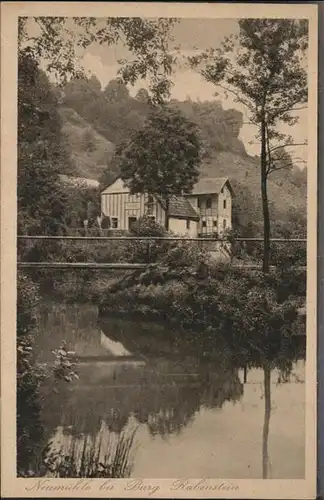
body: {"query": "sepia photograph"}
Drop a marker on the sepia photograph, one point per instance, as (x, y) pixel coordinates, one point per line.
(161, 298)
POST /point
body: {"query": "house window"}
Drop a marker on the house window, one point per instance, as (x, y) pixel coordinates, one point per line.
(131, 222)
(224, 203)
(224, 223)
(208, 203)
(215, 223)
(188, 223)
(114, 222)
(198, 202)
(132, 198)
(150, 203)
(204, 223)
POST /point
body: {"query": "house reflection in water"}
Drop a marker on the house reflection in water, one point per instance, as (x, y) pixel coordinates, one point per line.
(182, 405)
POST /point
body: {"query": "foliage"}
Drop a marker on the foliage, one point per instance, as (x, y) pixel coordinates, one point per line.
(83, 204)
(29, 427)
(41, 155)
(208, 299)
(148, 251)
(64, 368)
(163, 157)
(116, 91)
(263, 68)
(30, 375)
(219, 128)
(60, 39)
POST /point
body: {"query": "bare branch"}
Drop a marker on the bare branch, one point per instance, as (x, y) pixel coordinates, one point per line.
(251, 123)
(287, 110)
(299, 109)
(282, 167)
(289, 145)
(236, 94)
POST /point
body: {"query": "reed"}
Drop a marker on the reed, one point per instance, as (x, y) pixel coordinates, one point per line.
(85, 457)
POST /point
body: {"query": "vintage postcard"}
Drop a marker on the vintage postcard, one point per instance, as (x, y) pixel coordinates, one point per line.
(158, 250)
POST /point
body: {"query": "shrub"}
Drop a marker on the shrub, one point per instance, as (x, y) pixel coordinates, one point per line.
(256, 316)
(29, 427)
(152, 250)
(30, 375)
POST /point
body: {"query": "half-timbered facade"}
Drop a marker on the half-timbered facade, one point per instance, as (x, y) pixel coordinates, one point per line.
(206, 211)
(124, 209)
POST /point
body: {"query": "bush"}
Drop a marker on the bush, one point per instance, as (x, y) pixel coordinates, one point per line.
(29, 427)
(256, 316)
(148, 251)
(30, 376)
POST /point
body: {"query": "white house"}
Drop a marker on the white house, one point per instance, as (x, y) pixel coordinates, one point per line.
(212, 200)
(202, 212)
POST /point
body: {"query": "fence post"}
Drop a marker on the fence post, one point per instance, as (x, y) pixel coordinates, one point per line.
(149, 251)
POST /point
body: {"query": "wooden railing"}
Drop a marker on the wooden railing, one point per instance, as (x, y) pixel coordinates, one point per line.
(149, 239)
(157, 238)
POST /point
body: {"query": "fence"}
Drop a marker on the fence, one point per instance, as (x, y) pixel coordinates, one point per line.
(134, 252)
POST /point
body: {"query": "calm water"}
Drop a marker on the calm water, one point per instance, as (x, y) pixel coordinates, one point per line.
(193, 417)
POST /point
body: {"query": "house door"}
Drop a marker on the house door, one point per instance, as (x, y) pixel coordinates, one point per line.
(131, 222)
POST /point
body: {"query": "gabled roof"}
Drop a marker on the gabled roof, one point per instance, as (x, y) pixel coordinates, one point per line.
(211, 185)
(181, 208)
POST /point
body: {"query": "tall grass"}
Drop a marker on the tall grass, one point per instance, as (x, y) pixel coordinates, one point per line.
(99, 457)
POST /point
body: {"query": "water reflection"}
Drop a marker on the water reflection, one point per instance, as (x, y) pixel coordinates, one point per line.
(162, 394)
(182, 406)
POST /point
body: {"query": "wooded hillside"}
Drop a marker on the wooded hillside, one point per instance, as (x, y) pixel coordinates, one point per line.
(96, 120)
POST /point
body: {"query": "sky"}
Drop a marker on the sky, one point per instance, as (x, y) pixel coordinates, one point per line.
(191, 35)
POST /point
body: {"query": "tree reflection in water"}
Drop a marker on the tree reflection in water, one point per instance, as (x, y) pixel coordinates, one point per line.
(164, 395)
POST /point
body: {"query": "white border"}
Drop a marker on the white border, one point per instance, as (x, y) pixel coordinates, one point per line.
(258, 489)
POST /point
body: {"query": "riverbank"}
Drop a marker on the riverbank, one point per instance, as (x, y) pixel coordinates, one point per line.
(249, 313)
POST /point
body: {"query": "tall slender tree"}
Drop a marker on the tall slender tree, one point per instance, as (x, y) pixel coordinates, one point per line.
(263, 67)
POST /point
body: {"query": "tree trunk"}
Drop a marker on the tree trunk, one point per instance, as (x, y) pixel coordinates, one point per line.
(266, 423)
(265, 202)
(245, 374)
(166, 224)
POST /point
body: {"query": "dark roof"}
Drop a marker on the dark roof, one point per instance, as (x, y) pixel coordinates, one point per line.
(211, 185)
(180, 208)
